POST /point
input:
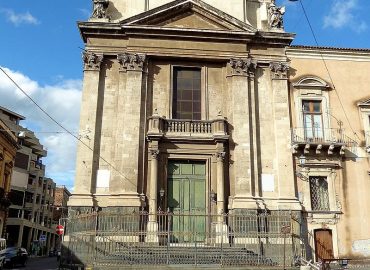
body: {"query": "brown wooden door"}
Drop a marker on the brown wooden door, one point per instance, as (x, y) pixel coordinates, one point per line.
(323, 244)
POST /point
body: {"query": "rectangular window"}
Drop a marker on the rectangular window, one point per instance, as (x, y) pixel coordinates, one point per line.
(186, 103)
(319, 193)
(312, 119)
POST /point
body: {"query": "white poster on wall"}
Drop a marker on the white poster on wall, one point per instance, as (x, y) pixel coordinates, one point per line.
(103, 179)
(268, 182)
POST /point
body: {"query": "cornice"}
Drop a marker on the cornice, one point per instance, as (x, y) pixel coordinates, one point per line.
(329, 54)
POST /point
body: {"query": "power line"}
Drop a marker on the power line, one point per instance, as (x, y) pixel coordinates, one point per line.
(57, 123)
(327, 69)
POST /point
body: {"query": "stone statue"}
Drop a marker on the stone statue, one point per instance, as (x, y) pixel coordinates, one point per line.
(276, 16)
(100, 9)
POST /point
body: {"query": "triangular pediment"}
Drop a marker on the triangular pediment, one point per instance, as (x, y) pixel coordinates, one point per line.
(188, 14)
(364, 103)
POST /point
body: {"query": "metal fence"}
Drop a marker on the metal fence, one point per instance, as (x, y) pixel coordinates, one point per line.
(110, 239)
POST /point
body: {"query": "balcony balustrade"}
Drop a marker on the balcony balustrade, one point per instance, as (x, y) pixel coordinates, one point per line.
(322, 139)
(187, 129)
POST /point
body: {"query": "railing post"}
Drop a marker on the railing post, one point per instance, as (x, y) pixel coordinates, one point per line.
(168, 236)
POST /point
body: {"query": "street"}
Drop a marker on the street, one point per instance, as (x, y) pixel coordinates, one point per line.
(40, 263)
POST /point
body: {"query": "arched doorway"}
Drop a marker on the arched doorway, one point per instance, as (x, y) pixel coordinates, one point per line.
(323, 244)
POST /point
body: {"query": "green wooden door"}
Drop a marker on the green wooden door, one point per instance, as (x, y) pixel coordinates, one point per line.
(187, 200)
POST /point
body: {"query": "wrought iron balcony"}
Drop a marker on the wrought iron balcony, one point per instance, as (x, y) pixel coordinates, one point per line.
(321, 139)
(187, 129)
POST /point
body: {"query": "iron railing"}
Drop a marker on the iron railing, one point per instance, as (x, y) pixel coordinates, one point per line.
(114, 240)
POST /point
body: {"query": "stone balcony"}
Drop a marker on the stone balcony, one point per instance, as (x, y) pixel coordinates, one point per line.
(175, 129)
(321, 141)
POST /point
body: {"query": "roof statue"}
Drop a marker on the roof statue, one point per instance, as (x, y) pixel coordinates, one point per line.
(100, 9)
(276, 16)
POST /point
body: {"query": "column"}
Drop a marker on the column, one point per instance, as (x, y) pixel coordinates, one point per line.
(241, 144)
(130, 128)
(284, 165)
(152, 227)
(220, 183)
(86, 151)
(29, 239)
(48, 242)
(20, 236)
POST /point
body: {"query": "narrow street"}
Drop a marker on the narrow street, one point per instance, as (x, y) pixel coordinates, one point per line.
(39, 263)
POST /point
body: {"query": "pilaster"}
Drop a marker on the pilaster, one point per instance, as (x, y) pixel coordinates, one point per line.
(130, 128)
(86, 159)
(283, 165)
(240, 87)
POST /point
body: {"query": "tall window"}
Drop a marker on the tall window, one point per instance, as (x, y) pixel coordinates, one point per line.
(186, 102)
(319, 193)
(312, 118)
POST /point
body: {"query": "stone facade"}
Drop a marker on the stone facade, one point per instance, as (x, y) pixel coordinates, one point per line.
(247, 83)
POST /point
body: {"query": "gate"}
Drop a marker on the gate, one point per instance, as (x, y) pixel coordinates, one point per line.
(110, 239)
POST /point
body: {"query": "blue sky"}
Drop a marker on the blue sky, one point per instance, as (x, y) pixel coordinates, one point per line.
(40, 49)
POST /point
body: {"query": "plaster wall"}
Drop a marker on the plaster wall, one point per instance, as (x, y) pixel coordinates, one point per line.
(349, 72)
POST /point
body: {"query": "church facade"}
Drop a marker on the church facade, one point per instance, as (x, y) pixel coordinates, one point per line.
(203, 108)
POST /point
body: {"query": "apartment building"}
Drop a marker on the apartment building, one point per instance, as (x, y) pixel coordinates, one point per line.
(30, 215)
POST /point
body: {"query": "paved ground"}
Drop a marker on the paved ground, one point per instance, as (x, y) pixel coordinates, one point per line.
(43, 263)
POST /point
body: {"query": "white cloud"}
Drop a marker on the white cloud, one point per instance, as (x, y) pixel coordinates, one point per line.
(62, 102)
(19, 18)
(342, 14)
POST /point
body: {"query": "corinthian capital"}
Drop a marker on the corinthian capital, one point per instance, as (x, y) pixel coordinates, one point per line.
(131, 61)
(243, 66)
(279, 70)
(91, 60)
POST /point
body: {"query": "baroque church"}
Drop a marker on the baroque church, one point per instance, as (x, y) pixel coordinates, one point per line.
(203, 130)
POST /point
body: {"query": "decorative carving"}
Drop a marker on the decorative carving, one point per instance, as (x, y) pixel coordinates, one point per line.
(331, 149)
(91, 60)
(100, 9)
(154, 153)
(295, 148)
(131, 61)
(220, 156)
(276, 17)
(338, 203)
(279, 70)
(342, 150)
(318, 148)
(240, 66)
(307, 148)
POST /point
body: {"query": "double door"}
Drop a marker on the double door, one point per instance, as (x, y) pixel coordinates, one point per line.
(187, 201)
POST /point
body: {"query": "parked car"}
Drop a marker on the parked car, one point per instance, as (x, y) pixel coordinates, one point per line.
(14, 256)
(2, 247)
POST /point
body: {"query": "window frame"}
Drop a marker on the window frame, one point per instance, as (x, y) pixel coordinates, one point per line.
(315, 206)
(203, 88)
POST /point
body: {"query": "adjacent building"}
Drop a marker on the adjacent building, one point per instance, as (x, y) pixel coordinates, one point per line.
(30, 215)
(197, 108)
(61, 198)
(8, 150)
